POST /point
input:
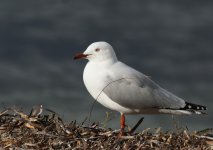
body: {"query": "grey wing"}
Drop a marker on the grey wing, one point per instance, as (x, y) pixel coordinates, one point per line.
(141, 92)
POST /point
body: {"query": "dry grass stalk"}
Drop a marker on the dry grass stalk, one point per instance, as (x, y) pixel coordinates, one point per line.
(19, 130)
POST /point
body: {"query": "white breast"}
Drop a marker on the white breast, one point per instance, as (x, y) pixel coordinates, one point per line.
(94, 82)
(92, 77)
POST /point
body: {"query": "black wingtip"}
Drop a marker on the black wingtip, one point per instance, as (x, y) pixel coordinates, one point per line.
(194, 107)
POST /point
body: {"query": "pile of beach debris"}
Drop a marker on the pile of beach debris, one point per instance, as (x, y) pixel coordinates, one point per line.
(48, 131)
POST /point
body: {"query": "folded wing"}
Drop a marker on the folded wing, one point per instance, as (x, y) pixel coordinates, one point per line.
(134, 90)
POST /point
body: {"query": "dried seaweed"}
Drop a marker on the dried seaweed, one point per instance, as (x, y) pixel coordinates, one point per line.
(48, 131)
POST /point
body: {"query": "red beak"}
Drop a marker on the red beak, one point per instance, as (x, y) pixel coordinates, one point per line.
(80, 56)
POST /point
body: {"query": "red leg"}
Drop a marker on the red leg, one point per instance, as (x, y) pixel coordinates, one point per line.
(122, 123)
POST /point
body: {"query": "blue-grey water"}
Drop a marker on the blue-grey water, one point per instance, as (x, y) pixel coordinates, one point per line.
(171, 41)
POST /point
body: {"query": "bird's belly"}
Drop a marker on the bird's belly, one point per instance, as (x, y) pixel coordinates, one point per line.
(108, 103)
(98, 94)
(104, 100)
(96, 90)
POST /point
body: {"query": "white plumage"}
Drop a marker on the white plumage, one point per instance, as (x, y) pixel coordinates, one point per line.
(126, 90)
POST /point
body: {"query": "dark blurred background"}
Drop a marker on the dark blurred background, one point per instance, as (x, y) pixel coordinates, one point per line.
(171, 41)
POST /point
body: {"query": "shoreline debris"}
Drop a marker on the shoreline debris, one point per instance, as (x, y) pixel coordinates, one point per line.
(48, 131)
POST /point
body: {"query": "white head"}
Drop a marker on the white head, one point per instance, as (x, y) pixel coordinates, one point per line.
(98, 51)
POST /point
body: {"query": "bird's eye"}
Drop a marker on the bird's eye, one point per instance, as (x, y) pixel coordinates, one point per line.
(97, 49)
